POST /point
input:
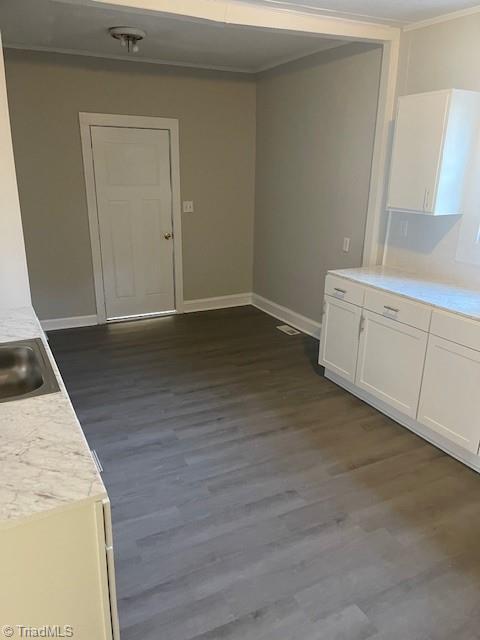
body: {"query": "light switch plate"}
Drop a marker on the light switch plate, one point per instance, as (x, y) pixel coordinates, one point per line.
(346, 245)
(188, 206)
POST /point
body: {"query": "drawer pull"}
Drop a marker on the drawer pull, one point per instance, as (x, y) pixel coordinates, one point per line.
(391, 309)
(339, 292)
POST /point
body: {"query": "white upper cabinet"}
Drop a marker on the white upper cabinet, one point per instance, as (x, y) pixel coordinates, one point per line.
(435, 135)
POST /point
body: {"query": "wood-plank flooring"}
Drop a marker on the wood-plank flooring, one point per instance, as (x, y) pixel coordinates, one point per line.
(255, 500)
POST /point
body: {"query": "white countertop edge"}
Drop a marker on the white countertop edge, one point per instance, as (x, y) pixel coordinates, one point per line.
(339, 273)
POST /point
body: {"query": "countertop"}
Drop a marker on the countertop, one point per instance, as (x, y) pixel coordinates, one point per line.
(441, 295)
(45, 461)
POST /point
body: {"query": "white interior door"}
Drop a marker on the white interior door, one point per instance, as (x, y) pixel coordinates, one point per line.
(134, 203)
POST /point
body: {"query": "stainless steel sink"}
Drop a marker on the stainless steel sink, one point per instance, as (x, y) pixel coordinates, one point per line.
(25, 370)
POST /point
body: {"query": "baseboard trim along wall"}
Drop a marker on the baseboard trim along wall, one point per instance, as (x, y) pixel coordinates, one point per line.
(302, 323)
(221, 302)
(68, 323)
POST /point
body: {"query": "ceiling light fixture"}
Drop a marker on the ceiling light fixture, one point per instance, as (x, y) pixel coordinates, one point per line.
(129, 37)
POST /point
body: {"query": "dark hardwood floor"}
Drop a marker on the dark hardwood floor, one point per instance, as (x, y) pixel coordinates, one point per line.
(255, 500)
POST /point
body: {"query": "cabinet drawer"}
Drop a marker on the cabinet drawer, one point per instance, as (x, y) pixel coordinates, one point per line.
(344, 289)
(456, 328)
(398, 308)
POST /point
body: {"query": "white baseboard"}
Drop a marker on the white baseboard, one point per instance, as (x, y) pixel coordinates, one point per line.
(302, 323)
(222, 302)
(68, 323)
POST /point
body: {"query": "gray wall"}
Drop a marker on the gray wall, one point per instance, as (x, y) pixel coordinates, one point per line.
(315, 129)
(442, 56)
(217, 156)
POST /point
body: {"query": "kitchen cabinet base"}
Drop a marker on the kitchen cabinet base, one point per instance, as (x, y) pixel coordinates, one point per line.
(467, 458)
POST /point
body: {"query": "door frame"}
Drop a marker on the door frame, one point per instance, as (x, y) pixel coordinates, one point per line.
(87, 120)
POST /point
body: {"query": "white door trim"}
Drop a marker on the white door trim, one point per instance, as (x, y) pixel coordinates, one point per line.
(377, 216)
(88, 120)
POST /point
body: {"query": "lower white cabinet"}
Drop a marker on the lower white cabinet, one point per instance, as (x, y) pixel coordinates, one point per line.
(390, 362)
(58, 574)
(423, 364)
(450, 398)
(339, 339)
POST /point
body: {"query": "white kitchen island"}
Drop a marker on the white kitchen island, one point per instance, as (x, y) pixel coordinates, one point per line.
(410, 347)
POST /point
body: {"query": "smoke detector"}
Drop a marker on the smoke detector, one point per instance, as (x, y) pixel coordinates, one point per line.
(129, 37)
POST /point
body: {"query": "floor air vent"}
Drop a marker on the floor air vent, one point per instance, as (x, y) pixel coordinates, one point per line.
(290, 331)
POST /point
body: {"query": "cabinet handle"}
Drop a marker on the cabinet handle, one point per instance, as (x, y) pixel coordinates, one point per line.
(362, 325)
(425, 199)
(342, 292)
(392, 309)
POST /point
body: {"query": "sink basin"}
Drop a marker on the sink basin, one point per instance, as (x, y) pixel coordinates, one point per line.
(25, 370)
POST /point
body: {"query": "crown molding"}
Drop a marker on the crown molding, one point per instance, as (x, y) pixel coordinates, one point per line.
(446, 17)
(285, 5)
(166, 63)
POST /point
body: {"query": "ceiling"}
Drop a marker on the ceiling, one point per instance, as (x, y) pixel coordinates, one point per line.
(399, 12)
(80, 29)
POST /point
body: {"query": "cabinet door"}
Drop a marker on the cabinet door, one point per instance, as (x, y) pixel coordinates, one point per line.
(450, 398)
(417, 149)
(339, 340)
(390, 362)
(53, 571)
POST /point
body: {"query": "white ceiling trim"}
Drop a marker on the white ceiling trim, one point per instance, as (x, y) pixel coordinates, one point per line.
(285, 5)
(267, 17)
(446, 17)
(130, 58)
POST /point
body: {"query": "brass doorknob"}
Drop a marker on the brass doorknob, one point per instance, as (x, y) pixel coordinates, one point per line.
(167, 236)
